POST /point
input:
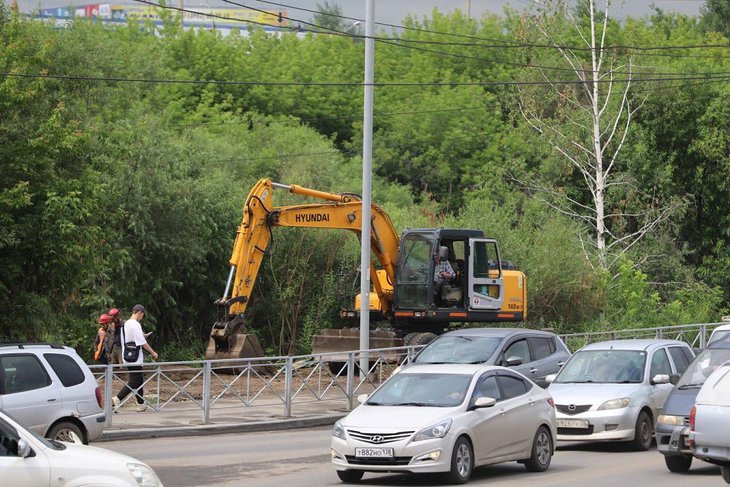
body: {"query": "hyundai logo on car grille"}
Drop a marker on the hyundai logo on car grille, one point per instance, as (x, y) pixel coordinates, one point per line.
(379, 438)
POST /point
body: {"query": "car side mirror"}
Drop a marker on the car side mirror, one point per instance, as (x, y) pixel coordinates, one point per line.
(660, 379)
(550, 378)
(513, 361)
(484, 402)
(362, 398)
(24, 450)
(674, 378)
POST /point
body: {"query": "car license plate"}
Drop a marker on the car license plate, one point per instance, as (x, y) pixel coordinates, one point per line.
(374, 452)
(573, 423)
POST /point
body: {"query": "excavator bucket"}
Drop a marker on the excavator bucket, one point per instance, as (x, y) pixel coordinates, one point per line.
(238, 345)
(227, 337)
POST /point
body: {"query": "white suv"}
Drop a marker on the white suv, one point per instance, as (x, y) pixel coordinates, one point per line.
(49, 389)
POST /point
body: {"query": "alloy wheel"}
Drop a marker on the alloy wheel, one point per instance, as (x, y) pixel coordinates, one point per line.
(463, 460)
(543, 447)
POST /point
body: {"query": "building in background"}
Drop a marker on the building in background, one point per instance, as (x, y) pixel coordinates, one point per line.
(224, 19)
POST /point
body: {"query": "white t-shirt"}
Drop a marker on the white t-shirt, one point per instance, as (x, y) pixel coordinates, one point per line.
(133, 333)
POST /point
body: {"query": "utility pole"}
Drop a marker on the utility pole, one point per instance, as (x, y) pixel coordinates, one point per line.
(367, 182)
(181, 6)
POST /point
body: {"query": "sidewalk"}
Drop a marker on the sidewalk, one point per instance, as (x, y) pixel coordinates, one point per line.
(182, 420)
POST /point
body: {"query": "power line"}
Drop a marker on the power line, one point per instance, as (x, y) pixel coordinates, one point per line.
(397, 42)
(330, 31)
(179, 81)
(718, 76)
(500, 42)
(207, 14)
(634, 50)
(494, 104)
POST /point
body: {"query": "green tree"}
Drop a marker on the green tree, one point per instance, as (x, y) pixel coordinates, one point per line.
(329, 17)
(715, 17)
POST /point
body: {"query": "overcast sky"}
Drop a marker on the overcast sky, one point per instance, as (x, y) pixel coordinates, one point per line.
(393, 11)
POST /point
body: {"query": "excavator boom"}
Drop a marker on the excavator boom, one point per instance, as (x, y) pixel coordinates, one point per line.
(341, 211)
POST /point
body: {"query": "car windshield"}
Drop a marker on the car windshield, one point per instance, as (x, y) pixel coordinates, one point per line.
(604, 366)
(456, 349)
(719, 335)
(702, 366)
(422, 389)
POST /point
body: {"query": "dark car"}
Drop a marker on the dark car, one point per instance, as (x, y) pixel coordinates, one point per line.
(672, 427)
(533, 353)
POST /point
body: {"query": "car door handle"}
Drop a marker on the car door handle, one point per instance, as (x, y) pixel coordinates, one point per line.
(502, 412)
(561, 363)
(52, 400)
(533, 370)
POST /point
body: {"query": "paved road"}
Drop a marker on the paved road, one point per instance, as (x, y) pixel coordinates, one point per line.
(300, 458)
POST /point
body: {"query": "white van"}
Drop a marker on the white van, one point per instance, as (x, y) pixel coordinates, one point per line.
(720, 333)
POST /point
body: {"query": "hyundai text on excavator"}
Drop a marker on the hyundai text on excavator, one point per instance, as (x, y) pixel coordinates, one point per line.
(484, 289)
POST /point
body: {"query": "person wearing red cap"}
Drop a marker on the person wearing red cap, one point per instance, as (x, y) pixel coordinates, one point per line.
(101, 342)
(115, 342)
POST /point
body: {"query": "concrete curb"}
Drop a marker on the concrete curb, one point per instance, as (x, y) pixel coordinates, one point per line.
(218, 429)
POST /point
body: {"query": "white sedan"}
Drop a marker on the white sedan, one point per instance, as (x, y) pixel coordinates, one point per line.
(29, 460)
(446, 418)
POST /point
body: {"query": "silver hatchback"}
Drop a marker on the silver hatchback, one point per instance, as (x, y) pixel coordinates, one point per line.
(614, 391)
(50, 390)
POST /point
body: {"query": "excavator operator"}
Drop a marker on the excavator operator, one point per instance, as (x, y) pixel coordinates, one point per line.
(443, 272)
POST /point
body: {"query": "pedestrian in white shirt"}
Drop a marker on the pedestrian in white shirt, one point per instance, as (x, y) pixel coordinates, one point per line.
(133, 338)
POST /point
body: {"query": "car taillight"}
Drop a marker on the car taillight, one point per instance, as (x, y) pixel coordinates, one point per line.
(551, 402)
(99, 397)
(692, 414)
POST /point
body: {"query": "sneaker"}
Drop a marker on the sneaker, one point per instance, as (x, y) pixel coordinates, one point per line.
(116, 403)
(141, 408)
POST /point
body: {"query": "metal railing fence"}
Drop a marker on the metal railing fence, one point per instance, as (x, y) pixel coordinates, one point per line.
(695, 335)
(209, 387)
(215, 386)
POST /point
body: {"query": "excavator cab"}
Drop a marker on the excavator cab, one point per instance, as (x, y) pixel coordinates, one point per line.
(481, 289)
(418, 286)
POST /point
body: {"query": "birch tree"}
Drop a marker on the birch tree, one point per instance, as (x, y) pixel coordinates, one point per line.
(584, 107)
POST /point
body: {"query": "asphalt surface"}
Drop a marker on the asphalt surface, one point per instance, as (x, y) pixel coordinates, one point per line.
(301, 458)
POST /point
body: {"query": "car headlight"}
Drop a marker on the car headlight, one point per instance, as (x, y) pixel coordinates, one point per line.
(670, 419)
(435, 431)
(144, 475)
(338, 431)
(615, 404)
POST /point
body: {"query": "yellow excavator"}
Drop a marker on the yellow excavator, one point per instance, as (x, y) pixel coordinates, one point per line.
(482, 287)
